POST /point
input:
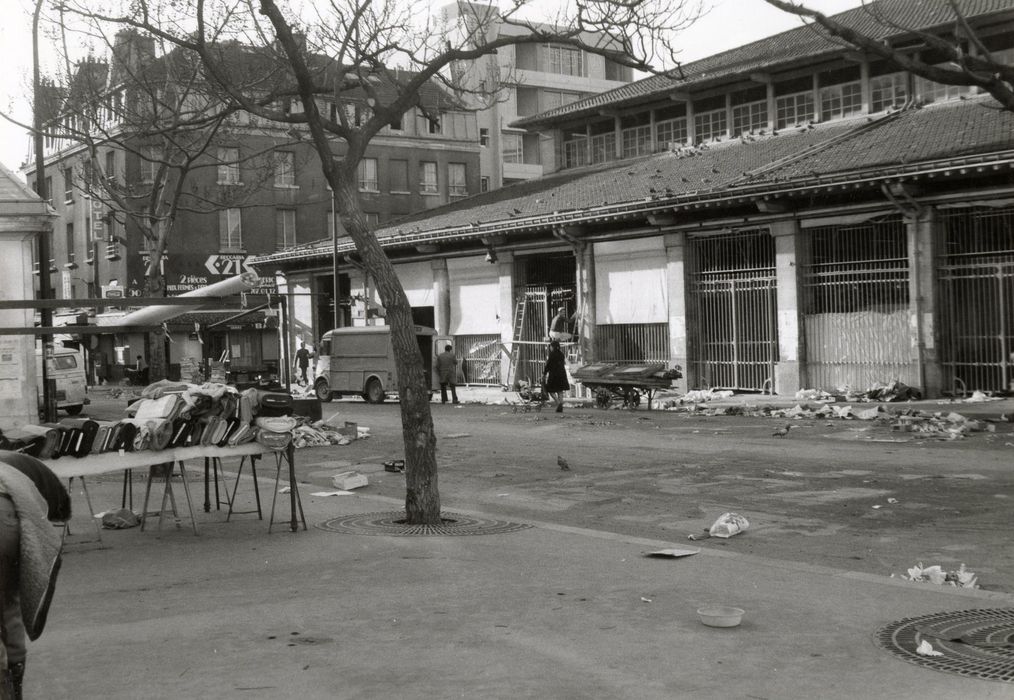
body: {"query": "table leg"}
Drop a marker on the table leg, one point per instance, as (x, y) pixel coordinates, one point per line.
(186, 489)
(207, 495)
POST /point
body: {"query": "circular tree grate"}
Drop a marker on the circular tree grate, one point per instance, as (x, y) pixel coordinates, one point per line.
(393, 523)
(977, 643)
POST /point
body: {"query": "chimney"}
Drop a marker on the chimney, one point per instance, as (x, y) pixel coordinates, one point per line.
(131, 51)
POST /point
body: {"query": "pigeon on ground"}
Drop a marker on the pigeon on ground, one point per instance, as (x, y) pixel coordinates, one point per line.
(782, 432)
(563, 464)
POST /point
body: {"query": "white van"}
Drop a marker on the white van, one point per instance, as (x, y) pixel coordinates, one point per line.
(360, 360)
(68, 369)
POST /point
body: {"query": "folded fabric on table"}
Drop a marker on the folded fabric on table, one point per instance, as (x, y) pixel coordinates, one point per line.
(166, 407)
(85, 438)
(243, 433)
(66, 438)
(153, 434)
(50, 447)
(273, 440)
(18, 440)
(103, 437)
(276, 424)
(180, 432)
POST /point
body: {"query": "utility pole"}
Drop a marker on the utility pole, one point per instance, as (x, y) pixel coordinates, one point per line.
(46, 315)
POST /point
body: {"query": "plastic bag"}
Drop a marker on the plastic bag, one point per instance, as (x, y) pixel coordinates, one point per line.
(729, 524)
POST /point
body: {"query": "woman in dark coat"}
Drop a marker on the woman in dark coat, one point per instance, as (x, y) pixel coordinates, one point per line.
(554, 376)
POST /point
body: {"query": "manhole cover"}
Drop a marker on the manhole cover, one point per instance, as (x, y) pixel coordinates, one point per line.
(978, 643)
(393, 523)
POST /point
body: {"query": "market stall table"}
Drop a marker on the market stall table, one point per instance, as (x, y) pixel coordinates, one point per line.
(110, 462)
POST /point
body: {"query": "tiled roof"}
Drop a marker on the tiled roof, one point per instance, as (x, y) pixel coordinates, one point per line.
(800, 157)
(878, 20)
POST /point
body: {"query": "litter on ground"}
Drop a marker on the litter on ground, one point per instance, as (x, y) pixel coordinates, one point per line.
(960, 578)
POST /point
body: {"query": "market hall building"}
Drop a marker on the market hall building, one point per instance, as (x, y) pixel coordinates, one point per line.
(790, 214)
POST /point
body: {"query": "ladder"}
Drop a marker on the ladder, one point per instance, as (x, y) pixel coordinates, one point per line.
(519, 325)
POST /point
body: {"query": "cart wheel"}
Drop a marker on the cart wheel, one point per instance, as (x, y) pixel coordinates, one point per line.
(603, 398)
(632, 399)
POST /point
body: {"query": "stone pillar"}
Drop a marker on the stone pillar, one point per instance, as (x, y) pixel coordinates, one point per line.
(587, 324)
(790, 375)
(20, 223)
(505, 275)
(923, 311)
(676, 289)
(441, 297)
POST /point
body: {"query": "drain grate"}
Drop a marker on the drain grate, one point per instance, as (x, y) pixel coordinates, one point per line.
(977, 643)
(393, 523)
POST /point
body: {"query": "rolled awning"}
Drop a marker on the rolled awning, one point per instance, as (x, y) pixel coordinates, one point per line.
(154, 315)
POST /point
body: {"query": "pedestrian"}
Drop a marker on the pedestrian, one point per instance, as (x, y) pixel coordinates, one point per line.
(303, 362)
(447, 370)
(139, 371)
(31, 500)
(554, 376)
(559, 326)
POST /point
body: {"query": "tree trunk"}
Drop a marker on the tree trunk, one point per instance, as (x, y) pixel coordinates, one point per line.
(422, 497)
(158, 363)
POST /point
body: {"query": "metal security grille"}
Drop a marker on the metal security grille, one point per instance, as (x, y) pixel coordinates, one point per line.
(976, 283)
(480, 358)
(632, 343)
(531, 327)
(732, 291)
(856, 305)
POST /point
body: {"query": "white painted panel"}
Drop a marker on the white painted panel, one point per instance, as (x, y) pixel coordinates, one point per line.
(475, 296)
(417, 280)
(630, 282)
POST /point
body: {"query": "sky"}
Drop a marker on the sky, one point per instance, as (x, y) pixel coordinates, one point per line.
(728, 24)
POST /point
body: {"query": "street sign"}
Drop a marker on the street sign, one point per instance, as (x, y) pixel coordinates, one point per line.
(228, 264)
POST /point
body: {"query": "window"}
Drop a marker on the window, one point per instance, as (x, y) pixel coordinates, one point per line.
(636, 141)
(837, 101)
(68, 185)
(110, 166)
(428, 177)
(230, 230)
(928, 91)
(483, 136)
(228, 166)
(372, 220)
(368, 175)
(710, 125)
(285, 169)
(70, 243)
(793, 109)
(512, 148)
(671, 131)
(285, 228)
(152, 161)
(456, 185)
(551, 99)
(564, 60)
(752, 116)
(888, 91)
(398, 170)
(484, 183)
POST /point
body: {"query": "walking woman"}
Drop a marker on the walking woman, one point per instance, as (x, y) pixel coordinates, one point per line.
(554, 376)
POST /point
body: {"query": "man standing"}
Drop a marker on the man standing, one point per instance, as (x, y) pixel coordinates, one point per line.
(303, 361)
(31, 496)
(447, 369)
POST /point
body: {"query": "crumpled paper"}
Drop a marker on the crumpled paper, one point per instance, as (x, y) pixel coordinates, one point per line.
(729, 524)
(926, 649)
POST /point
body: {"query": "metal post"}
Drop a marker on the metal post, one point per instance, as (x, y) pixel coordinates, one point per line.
(46, 315)
(334, 260)
(283, 309)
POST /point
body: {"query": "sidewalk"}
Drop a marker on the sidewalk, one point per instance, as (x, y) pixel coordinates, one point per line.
(547, 613)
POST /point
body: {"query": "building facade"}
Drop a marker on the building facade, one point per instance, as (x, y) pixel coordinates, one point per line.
(789, 215)
(526, 79)
(256, 188)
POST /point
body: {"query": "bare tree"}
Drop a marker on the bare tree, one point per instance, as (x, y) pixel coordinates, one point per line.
(158, 108)
(334, 77)
(962, 57)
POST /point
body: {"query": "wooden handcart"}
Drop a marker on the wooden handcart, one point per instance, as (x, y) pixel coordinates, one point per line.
(627, 383)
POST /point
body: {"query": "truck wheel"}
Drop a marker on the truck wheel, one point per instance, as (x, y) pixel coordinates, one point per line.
(73, 410)
(374, 392)
(323, 390)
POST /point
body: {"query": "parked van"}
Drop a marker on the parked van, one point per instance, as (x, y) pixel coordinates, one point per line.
(360, 360)
(68, 369)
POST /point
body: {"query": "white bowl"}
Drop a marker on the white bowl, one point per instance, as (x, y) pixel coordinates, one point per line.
(720, 615)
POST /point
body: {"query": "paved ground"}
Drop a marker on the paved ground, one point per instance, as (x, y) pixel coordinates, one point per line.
(569, 608)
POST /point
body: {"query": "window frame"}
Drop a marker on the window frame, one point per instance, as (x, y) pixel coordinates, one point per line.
(228, 172)
(364, 182)
(426, 186)
(284, 169)
(285, 228)
(225, 237)
(457, 180)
